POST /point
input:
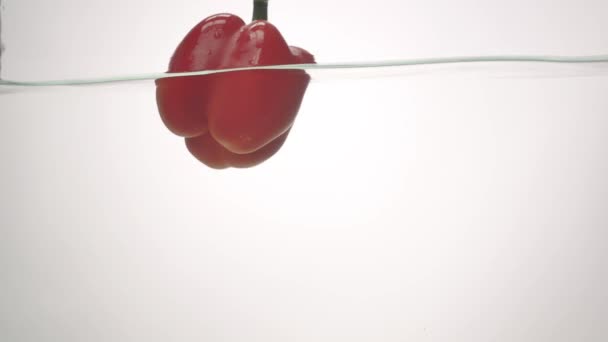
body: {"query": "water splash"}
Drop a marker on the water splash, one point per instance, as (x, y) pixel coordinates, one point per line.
(324, 66)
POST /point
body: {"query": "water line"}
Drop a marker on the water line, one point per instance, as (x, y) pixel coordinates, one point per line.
(325, 66)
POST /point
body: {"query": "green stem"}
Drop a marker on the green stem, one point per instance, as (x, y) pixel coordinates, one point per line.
(260, 9)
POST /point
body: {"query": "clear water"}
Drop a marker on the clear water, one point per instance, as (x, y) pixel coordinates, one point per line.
(412, 202)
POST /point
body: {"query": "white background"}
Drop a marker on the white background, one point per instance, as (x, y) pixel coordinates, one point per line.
(460, 203)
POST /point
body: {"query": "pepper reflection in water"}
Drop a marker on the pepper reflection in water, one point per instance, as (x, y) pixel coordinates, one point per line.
(236, 119)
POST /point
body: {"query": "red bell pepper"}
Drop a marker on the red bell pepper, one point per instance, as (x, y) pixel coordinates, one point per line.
(233, 119)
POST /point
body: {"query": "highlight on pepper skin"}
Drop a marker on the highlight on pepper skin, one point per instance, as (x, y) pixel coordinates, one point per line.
(234, 119)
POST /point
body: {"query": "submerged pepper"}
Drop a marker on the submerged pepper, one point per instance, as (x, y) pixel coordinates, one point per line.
(233, 119)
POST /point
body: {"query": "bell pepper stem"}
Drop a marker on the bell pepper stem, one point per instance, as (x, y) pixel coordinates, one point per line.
(260, 9)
